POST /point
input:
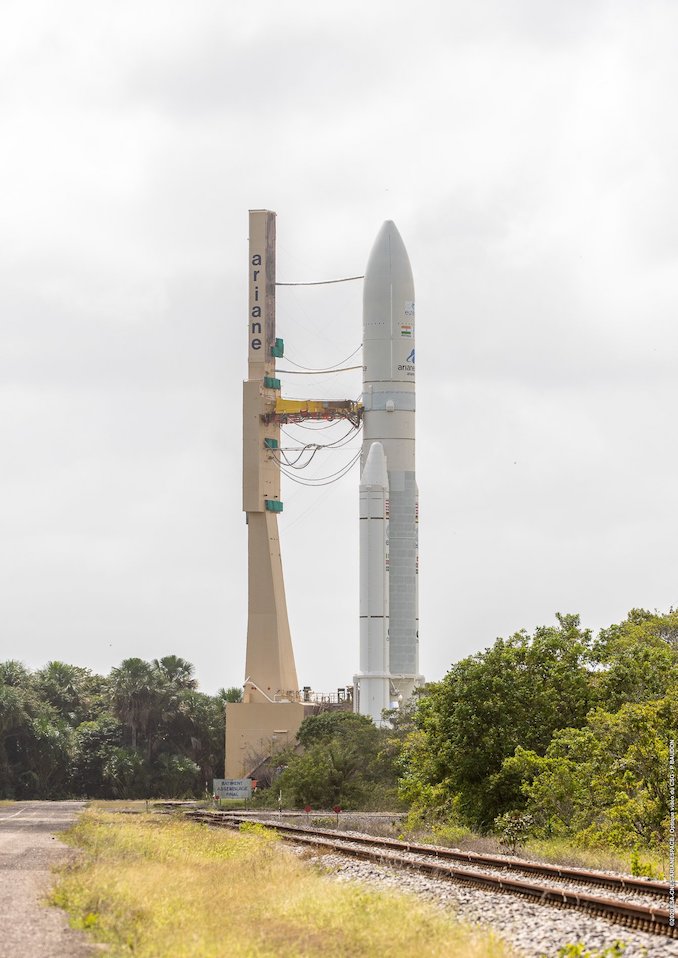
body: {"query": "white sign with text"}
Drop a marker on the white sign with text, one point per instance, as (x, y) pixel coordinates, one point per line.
(233, 787)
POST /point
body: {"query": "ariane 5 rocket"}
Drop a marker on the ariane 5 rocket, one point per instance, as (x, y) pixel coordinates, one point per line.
(389, 511)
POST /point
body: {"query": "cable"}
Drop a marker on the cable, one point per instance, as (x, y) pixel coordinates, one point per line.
(324, 480)
(323, 282)
(316, 372)
(337, 444)
(329, 368)
(315, 428)
(293, 465)
(317, 485)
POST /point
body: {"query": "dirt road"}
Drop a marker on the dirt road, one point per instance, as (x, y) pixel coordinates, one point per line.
(29, 847)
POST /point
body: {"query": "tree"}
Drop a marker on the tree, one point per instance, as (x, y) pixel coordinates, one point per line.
(145, 730)
(514, 694)
(638, 659)
(93, 746)
(16, 711)
(232, 694)
(138, 694)
(73, 692)
(604, 783)
(176, 672)
(342, 762)
(194, 728)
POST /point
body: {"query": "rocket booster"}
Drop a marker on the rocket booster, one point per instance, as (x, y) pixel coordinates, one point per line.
(375, 692)
(388, 424)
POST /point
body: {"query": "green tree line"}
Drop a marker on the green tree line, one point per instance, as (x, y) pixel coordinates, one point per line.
(567, 730)
(561, 729)
(570, 730)
(144, 730)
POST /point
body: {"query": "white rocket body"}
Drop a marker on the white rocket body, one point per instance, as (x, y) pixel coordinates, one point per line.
(375, 691)
(388, 422)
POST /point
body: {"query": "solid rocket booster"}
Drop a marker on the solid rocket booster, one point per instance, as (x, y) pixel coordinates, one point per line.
(389, 406)
(375, 690)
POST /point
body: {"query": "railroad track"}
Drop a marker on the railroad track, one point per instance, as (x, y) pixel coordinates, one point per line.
(643, 905)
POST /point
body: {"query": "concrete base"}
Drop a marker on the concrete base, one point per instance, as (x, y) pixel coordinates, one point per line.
(257, 730)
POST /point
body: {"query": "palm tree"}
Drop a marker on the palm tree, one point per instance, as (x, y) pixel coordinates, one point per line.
(67, 688)
(177, 671)
(137, 694)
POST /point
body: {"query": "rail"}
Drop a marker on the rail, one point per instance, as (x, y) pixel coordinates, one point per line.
(440, 862)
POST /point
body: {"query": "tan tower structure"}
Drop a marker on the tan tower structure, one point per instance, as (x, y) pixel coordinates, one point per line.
(271, 712)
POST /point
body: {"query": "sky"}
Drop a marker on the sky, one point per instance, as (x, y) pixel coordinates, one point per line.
(526, 150)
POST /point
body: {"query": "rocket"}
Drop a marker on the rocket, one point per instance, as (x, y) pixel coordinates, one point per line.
(389, 606)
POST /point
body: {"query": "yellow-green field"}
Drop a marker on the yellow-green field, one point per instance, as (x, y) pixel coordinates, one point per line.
(153, 886)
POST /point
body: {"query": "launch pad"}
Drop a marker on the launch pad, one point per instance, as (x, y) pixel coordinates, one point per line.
(272, 708)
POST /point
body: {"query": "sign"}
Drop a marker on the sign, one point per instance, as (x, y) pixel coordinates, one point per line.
(261, 318)
(233, 787)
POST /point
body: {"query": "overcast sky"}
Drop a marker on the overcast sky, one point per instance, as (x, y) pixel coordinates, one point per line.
(527, 151)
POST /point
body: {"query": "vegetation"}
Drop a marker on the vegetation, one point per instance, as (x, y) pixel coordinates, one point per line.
(149, 887)
(345, 761)
(559, 738)
(559, 730)
(142, 731)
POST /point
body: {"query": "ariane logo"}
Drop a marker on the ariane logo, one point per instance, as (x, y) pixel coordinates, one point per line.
(408, 365)
(255, 306)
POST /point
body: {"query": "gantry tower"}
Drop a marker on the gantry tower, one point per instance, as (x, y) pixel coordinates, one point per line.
(273, 707)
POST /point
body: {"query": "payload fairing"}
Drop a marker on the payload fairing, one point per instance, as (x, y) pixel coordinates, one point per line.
(389, 613)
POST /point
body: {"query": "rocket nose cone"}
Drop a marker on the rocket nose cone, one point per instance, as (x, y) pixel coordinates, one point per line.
(388, 262)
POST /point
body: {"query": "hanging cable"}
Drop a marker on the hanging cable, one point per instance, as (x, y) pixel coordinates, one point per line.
(285, 461)
(323, 282)
(324, 480)
(316, 372)
(311, 428)
(337, 444)
(293, 465)
(329, 368)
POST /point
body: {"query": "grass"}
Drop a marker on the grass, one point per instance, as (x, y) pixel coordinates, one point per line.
(153, 886)
(647, 862)
(562, 851)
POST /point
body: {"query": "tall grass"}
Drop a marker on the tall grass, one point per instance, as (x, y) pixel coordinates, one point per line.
(152, 887)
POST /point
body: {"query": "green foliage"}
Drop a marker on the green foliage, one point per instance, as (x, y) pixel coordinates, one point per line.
(513, 829)
(570, 730)
(641, 868)
(638, 659)
(605, 783)
(143, 731)
(232, 694)
(517, 693)
(579, 950)
(343, 762)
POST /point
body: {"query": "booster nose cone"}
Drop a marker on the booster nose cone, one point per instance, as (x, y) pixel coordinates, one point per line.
(375, 472)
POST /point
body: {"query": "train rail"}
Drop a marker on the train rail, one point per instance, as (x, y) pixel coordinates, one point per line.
(641, 905)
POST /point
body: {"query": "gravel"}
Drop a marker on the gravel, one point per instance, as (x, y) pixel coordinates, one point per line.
(534, 930)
